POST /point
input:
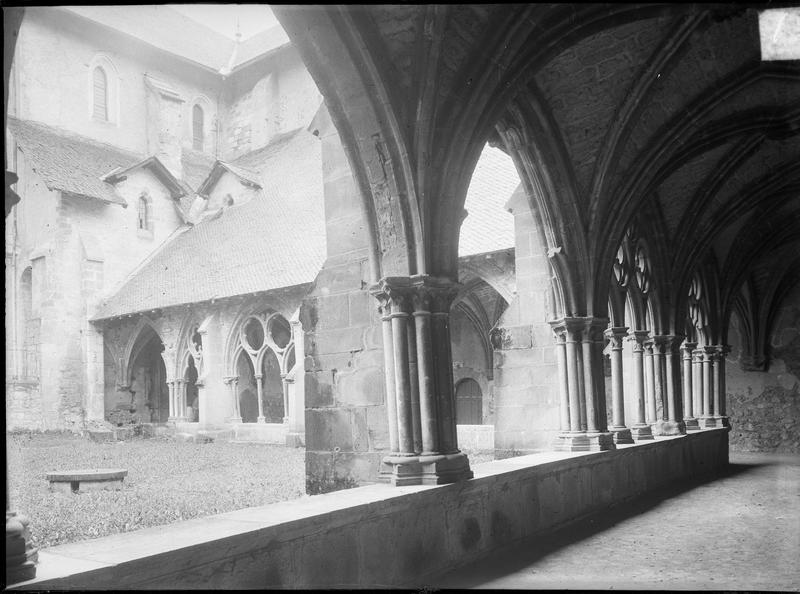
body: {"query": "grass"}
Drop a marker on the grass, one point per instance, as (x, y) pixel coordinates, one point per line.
(167, 481)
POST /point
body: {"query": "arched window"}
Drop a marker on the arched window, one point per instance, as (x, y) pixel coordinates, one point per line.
(469, 403)
(197, 127)
(142, 218)
(100, 100)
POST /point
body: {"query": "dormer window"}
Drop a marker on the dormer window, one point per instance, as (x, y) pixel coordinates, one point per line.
(100, 97)
(197, 127)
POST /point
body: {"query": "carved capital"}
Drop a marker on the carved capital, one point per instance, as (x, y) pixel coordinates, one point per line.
(615, 335)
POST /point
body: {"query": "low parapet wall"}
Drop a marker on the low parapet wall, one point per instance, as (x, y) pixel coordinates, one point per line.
(379, 536)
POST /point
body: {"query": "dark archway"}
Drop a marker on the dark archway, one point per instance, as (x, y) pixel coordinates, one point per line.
(148, 378)
(469, 402)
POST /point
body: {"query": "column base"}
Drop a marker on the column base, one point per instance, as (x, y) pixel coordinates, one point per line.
(692, 424)
(707, 422)
(641, 432)
(438, 469)
(262, 420)
(584, 442)
(295, 439)
(621, 434)
(20, 557)
(722, 421)
(669, 428)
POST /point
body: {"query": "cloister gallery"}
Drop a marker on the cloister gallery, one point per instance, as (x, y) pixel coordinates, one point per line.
(645, 311)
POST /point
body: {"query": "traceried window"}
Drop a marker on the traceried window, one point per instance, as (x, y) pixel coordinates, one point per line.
(198, 121)
(100, 97)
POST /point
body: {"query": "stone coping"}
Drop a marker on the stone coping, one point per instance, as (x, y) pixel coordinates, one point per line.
(87, 474)
(286, 521)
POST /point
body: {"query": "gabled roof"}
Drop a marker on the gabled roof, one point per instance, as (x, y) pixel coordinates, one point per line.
(275, 240)
(176, 187)
(196, 167)
(258, 45)
(246, 175)
(71, 163)
(164, 28)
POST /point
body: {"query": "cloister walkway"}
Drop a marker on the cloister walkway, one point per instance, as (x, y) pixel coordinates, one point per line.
(739, 532)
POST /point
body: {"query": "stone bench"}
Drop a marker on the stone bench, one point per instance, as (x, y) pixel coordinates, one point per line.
(98, 479)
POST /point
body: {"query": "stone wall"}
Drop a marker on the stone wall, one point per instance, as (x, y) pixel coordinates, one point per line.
(55, 50)
(377, 535)
(346, 419)
(764, 406)
(525, 375)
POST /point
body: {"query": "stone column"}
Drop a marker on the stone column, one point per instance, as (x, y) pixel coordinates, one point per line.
(285, 386)
(563, 391)
(260, 389)
(641, 430)
(580, 371)
(688, 387)
(621, 433)
(659, 385)
(180, 392)
(172, 408)
(697, 379)
(650, 382)
(707, 420)
(233, 393)
(672, 416)
(722, 411)
(718, 367)
(419, 382)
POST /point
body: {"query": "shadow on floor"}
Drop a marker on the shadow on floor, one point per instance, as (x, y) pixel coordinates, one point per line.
(503, 561)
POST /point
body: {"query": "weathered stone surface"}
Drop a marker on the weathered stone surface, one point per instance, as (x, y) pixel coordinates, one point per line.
(432, 527)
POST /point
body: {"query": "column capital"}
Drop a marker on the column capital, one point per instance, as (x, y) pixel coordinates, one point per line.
(688, 346)
(228, 379)
(417, 293)
(616, 334)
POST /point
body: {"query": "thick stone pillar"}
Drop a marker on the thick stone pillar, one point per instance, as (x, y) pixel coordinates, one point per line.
(640, 430)
(420, 399)
(620, 432)
(260, 388)
(707, 420)
(671, 422)
(688, 387)
(650, 382)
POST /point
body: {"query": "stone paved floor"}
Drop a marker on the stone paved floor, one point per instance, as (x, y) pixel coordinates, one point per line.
(740, 532)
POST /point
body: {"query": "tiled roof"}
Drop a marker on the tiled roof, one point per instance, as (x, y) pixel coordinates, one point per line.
(260, 44)
(71, 163)
(219, 167)
(196, 167)
(489, 226)
(163, 28)
(275, 240)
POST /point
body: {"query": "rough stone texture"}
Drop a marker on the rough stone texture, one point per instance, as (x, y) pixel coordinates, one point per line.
(764, 406)
(340, 539)
(750, 545)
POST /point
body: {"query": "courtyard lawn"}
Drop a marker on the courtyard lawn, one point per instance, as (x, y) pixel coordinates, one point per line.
(167, 481)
